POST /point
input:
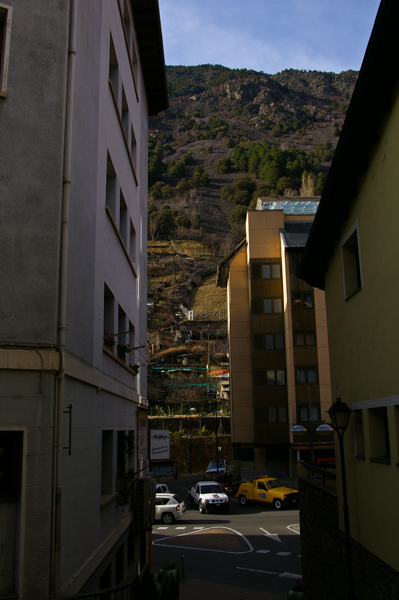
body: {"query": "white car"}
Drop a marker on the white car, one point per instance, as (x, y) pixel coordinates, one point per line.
(168, 508)
(162, 488)
(208, 496)
(224, 467)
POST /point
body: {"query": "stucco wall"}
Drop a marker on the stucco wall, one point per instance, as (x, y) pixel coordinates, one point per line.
(31, 171)
(364, 344)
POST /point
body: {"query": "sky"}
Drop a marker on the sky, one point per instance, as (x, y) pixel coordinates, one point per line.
(268, 35)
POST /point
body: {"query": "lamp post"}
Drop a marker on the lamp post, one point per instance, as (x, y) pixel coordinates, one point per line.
(340, 413)
(191, 412)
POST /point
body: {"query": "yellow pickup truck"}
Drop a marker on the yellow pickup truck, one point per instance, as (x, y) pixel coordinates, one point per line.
(267, 489)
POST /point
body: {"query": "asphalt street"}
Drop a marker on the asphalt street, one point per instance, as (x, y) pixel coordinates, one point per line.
(254, 547)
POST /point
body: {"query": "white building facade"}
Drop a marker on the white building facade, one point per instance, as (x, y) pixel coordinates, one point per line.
(78, 81)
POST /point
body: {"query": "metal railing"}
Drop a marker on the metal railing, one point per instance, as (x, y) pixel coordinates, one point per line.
(311, 468)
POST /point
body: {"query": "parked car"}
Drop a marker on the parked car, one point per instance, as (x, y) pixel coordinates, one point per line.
(224, 467)
(267, 489)
(208, 496)
(162, 488)
(226, 482)
(168, 508)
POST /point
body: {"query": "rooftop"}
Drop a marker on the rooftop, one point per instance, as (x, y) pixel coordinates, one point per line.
(294, 205)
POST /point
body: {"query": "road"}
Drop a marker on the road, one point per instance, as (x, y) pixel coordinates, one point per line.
(254, 546)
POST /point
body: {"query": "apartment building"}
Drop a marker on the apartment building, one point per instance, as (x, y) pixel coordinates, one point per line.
(279, 364)
(78, 80)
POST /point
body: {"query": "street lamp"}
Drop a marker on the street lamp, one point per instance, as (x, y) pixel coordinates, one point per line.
(340, 414)
(192, 410)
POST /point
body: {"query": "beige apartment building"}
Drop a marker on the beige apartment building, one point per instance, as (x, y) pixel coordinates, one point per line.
(278, 344)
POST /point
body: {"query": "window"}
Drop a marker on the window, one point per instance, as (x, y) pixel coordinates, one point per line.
(277, 414)
(107, 453)
(133, 146)
(109, 318)
(272, 305)
(5, 33)
(132, 243)
(126, 21)
(125, 114)
(120, 454)
(304, 412)
(269, 377)
(306, 375)
(304, 337)
(10, 464)
(123, 217)
(122, 334)
(132, 343)
(114, 71)
(268, 341)
(266, 306)
(379, 434)
(110, 190)
(268, 271)
(351, 262)
(302, 300)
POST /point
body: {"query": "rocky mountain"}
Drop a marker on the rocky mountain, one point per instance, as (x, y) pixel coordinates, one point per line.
(215, 110)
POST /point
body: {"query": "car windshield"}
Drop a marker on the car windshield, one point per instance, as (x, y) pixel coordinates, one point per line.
(211, 489)
(273, 484)
(213, 464)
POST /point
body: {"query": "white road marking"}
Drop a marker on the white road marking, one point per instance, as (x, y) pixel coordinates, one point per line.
(283, 553)
(162, 527)
(199, 527)
(262, 551)
(162, 541)
(180, 527)
(284, 575)
(273, 536)
(294, 528)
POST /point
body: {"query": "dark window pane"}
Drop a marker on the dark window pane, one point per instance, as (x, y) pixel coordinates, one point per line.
(269, 342)
(267, 305)
(258, 342)
(271, 378)
(311, 375)
(257, 306)
(266, 271)
(255, 271)
(280, 378)
(308, 300)
(301, 375)
(304, 413)
(279, 341)
(297, 300)
(310, 338)
(272, 414)
(277, 305)
(282, 414)
(259, 378)
(299, 338)
(276, 271)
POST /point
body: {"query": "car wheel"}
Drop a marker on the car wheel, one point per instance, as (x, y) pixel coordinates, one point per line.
(201, 507)
(167, 518)
(242, 500)
(278, 505)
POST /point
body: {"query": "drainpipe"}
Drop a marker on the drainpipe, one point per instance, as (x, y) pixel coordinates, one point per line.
(59, 399)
